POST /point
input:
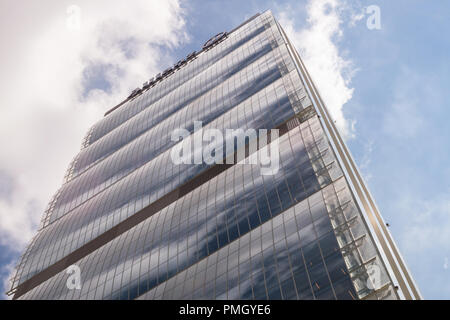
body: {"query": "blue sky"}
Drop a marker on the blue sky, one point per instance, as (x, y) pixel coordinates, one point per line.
(386, 87)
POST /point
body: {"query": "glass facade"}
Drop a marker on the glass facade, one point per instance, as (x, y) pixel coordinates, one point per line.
(140, 226)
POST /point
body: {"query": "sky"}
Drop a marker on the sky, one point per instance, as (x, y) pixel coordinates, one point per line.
(382, 68)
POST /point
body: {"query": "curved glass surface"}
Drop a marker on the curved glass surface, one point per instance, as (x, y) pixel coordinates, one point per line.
(158, 139)
(219, 219)
(145, 185)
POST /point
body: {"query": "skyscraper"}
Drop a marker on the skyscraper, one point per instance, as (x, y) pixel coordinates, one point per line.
(133, 222)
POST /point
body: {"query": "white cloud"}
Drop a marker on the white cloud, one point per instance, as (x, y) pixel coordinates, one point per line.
(6, 272)
(45, 107)
(356, 18)
(317, 46)
(356, 13)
